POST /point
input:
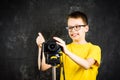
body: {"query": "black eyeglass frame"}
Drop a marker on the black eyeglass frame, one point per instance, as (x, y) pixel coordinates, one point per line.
(74, 27)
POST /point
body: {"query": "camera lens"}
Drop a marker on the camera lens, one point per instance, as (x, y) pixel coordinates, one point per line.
(52, 46)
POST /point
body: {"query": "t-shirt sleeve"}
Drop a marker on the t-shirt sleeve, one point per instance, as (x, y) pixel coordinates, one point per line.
(95, 53)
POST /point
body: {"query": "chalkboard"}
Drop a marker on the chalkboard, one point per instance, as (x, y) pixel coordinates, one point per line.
(21, 20)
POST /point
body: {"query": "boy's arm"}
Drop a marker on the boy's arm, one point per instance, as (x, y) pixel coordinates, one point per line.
(41, 64)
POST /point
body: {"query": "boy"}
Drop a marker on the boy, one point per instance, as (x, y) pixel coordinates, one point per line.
(81, 59)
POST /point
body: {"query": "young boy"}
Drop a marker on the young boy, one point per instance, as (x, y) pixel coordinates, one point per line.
(81, 59)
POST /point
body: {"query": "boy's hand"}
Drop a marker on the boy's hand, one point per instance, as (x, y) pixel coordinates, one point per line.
(40, 39)
(61, 43)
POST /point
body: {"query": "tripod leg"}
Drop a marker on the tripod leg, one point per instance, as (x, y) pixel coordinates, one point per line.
(53, 73)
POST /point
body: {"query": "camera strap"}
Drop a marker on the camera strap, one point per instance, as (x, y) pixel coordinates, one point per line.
(62, 69)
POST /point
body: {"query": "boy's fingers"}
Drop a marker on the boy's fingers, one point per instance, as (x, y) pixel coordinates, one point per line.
(58, 39)
(39, 34)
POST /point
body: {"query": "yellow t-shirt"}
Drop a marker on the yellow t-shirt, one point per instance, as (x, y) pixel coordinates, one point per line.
(73, 71)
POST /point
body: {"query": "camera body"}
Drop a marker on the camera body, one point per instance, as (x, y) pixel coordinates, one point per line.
(52, 52)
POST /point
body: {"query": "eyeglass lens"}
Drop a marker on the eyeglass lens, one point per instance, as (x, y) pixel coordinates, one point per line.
(77, 27)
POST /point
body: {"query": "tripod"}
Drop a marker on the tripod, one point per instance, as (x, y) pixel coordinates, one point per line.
(52, 59)
(54, 72)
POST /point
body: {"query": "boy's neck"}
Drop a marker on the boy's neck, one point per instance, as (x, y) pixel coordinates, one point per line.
(80, 42)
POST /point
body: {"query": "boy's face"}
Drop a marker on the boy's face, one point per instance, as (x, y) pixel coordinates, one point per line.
(77, 29)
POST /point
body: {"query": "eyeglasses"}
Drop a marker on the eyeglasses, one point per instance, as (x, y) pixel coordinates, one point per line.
(76, 28)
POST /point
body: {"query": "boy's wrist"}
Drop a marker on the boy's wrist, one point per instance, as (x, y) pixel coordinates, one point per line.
(67, 52)
(40, 45)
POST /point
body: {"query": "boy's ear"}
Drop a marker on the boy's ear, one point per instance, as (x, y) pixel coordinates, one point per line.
(86, 28)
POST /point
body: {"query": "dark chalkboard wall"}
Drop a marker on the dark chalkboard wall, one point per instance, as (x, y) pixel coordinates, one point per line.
(21, 20)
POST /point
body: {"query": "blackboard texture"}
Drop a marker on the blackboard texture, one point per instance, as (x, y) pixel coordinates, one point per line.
(21, 20)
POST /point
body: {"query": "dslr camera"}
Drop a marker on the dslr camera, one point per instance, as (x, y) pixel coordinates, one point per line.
(52, 52)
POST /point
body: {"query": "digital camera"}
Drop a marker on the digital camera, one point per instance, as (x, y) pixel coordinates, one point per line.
(52, 52)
